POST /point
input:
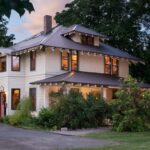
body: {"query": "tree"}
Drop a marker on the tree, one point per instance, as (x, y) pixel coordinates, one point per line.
(18, 5)
(131, 108)
(121, 20)
(5, 40)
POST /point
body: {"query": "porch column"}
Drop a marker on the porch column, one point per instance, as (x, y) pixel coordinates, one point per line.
(102, 92)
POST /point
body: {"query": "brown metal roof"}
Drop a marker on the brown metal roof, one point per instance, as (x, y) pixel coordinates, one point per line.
(85, 78)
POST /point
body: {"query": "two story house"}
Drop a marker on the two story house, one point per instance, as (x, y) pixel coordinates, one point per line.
(60, 58)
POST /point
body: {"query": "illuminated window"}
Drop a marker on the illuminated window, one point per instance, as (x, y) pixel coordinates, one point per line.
(15, 98)
(87, 40)
(115, 67)
(32, 60)
(3, 64)
(15, 60)
(74, 62)
(65, 61)
(111, 66)
(32, 94)
(107, 65)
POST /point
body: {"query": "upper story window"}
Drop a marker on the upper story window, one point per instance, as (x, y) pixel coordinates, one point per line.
(111, 66)
(32, 60)
(65, 61)
(74, 62)
(3, 64)
(87, 40)
(15, 63)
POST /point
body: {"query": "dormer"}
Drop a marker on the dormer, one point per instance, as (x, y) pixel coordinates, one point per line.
(83, 35)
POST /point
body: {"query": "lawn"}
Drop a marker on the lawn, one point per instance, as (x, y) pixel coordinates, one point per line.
(126, 141)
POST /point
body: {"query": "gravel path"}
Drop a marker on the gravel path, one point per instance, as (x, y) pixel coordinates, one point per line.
(12, 138)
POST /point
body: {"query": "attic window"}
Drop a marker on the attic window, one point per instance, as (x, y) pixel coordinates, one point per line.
(87, 40)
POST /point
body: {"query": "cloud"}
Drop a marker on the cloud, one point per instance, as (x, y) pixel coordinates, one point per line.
(34, 21)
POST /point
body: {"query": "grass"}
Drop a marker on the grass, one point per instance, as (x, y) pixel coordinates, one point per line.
(126, 141)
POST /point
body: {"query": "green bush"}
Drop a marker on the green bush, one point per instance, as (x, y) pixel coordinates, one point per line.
(22, 113)
(46, 118)
(74, 111)
(131, 109)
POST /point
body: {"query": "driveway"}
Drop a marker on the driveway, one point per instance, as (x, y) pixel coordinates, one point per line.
(12, 138)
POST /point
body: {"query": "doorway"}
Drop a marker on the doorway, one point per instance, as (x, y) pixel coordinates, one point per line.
(2, 104)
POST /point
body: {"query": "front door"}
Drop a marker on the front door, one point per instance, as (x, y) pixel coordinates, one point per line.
(2, 104)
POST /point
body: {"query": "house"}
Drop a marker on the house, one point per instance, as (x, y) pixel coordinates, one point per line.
(60, 58)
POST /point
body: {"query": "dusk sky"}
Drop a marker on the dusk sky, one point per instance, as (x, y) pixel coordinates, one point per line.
(30, 24)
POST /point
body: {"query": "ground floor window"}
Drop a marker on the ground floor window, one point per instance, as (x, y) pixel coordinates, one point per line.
(32, 94)
(15, 98)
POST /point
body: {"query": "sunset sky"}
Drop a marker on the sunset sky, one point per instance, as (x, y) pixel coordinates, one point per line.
(32, 23)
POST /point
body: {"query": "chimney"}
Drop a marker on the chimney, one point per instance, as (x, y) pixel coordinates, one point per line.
(47, 24)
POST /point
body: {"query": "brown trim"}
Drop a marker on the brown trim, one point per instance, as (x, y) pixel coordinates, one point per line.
(68, 61)
(5, 63)
(12, 91)
(12, 69)
(32, 67)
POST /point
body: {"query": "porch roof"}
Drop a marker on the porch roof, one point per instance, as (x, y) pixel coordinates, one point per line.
(86, 78)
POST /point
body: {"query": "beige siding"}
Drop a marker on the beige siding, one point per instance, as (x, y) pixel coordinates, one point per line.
(91, 63)
(123, 68)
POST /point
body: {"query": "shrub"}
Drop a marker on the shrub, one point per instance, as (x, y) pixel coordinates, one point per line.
(131, 109)
(46, 118)
(22, 113)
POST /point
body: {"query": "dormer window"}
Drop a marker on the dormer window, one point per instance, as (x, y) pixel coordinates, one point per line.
(87, 40)
(111, 66)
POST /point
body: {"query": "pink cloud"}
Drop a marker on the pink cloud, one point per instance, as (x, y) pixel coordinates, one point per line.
(34, 21)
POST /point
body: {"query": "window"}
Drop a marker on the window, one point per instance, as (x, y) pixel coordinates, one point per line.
(15, 99)
(111, 66)
(32, 60)
(15, 63)
(65, 61)
(32, 94)
(3, 64)
(87, 40)
(107, 65)
(74, 62)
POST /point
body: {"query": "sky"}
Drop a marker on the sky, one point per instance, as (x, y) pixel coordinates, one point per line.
(30, 24)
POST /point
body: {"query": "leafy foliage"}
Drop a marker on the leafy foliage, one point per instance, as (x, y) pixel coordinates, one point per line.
(122, 20)
(131, 108)
(5, 40)
(22, 114)
(20, 6)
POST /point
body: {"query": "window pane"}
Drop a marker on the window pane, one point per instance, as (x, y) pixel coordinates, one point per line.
(32, 60)
(2, 64)
(107, 68)
(32, 94)
(15, 63)
(115, 66)
(87, 40)
(74, 62)
(64, 61)
(15, 98)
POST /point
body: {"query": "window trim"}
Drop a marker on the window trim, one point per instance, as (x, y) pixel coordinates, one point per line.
(62, 60)
(77, 61)
(6, 63)
(87, 40)
(12, 97)
(31, 67)
(12, 69)
(111, 66)
(35, 107)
